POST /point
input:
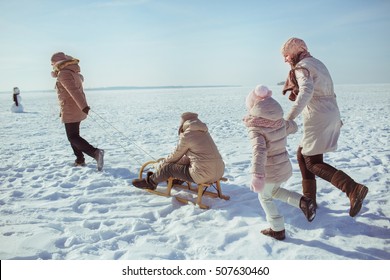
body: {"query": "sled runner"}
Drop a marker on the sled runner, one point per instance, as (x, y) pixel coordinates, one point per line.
(199, 189)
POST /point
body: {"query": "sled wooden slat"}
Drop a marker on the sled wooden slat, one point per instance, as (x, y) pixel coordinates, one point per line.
(158, 193)
(187, 201)
(199, 189)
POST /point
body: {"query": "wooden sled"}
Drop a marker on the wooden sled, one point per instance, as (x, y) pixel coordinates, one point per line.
(199, 189)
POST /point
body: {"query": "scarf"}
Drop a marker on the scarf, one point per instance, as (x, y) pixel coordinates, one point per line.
(16, 99)
(251, 121)
(291, 83)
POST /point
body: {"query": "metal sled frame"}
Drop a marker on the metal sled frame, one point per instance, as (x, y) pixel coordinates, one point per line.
(200, 189)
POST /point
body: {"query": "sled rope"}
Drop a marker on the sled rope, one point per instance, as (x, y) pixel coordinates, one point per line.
(124, 148)
(120, 132)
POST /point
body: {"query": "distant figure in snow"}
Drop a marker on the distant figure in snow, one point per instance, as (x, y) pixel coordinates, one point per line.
(195, 159)
(17, 106)
(74, 107)
(271, 166)
(313, 95)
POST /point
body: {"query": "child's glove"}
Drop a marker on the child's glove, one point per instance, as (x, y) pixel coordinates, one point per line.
(258, 182)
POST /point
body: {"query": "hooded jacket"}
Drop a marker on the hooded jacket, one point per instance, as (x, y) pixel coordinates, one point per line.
(70, 91)
(270, 157)
(316, 101)
(198, 148)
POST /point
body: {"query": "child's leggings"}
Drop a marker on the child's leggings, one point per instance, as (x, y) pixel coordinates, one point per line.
(273, 191)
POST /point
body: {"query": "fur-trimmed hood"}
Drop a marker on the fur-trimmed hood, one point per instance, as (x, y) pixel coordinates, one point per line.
(72, 64)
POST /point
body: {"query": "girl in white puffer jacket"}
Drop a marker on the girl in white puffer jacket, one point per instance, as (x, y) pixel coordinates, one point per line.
(270, 161)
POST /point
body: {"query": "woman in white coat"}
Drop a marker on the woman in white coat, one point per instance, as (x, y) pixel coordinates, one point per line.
(311, 90)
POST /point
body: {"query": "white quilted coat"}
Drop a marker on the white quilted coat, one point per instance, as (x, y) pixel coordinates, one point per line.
(317, 102)
(270, 157)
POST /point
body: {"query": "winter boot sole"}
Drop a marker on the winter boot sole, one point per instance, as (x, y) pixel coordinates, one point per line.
(357, 204)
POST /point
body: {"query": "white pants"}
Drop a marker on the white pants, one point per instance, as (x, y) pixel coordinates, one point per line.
(273, 191)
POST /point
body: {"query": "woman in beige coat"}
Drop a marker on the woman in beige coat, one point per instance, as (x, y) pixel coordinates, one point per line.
(195, 159)
(74, 107)
(271, 166)
(312, 92)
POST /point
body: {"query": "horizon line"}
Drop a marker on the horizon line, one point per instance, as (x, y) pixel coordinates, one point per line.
(174, 87)
(135, 88)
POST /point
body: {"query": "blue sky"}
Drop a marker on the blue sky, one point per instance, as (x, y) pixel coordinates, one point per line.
(173, 42)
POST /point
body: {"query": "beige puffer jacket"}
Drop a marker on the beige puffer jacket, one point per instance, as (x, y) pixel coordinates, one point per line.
(270, 157)
(206, 164)
(70, 92)
(316, 101)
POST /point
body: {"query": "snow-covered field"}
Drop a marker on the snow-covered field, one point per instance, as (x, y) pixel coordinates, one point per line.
(52, 210)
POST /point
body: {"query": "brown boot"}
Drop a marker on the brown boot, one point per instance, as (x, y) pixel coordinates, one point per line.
(309, 188)
(279, 235)
(146, 183)
(357, 196)
(307, 206)
(355, 192)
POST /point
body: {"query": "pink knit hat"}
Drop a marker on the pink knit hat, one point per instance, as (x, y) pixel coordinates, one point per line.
(260, 92)
(294, 46)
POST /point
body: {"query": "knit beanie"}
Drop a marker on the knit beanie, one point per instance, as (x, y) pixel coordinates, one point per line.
(16, 90)
(57, 57)
(294, 46)
(260, 92)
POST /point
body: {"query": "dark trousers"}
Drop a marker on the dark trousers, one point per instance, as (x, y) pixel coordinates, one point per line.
(178, 171)
(311, 166)
(78, 144)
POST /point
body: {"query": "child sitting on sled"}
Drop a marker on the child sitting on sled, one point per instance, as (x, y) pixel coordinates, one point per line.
(195, 159)
(270, 161)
